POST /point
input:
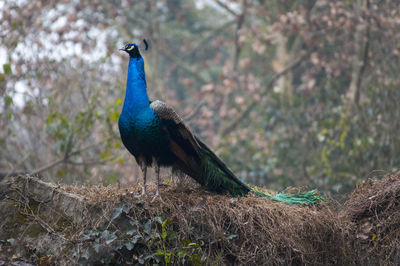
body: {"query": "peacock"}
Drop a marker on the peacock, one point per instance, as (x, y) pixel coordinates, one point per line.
(156, 136)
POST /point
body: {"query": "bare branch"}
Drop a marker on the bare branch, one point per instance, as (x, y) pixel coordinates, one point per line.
(254, 103)
(239, 25)
(65, 158)
(182, 65)
(194, 112)
(364, 62)
(226, 7)
(211, 34)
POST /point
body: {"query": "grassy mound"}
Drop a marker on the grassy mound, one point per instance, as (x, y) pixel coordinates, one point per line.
(47, 223)
(374, 210)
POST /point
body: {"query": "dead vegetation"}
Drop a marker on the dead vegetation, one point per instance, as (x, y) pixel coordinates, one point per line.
(374, 209)
(55, 224)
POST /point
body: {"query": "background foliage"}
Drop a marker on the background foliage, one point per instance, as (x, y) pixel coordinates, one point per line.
(288, 93)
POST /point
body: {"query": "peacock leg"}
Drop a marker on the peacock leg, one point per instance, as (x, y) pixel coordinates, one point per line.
(144, 180)
(157, 195)
(143, 167)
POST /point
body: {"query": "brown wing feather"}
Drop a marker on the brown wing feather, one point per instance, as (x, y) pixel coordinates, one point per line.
(183, 143)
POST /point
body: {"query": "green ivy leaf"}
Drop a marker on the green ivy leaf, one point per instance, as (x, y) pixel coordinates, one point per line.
(130, 232)
(136, 238)
(126, 207)
(232, 236)
(96, 247)
(108, 237)
(117, 212)
(158, 219)
(147, 226)
(129, 245)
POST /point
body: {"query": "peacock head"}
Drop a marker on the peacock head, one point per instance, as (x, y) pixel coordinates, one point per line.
(133, 49)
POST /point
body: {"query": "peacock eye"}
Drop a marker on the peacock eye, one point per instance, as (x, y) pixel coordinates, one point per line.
(130, 48)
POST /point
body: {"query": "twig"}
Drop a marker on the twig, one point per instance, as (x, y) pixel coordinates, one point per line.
(364, 63)
(90, 162)
(211, 34)
(46, 226)
(15, 166)
(253, 102)
(182, 65)
(65, 158)
(194, 112)
(239, 25)
(226, 7)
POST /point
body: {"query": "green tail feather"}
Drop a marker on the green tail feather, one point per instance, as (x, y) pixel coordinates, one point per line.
(303, 198)
(217, 177)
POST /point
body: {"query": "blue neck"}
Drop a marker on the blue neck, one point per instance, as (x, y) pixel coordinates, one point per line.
(136, 97)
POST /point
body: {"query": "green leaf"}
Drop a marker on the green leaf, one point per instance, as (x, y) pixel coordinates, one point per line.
(11, 241)
(130, 232)
(126, 207)
(85, 254)
(159, 252)
(164, 235)
(168, 258)
(133, 222)
(180, 254)
(117, 212)
(165, 223)
(232, 236)
(136, 238)
(96, 247)
(114, 116)
(7, 69)
(158, 219)
(108, 237)
(8, 100)
(104, 155)
(147, 226)
(129, 245)
(9, 115)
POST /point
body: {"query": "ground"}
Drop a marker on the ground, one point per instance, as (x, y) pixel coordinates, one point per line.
(57, 224)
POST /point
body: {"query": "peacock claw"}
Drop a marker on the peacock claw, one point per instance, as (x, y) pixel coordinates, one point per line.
(139, 195)
(157, 195)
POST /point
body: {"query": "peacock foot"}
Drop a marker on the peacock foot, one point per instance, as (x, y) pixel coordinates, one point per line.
(138, 195)
(157, 196)
(143, 194)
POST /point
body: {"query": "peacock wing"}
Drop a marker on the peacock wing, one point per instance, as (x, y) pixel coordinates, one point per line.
(183, 143)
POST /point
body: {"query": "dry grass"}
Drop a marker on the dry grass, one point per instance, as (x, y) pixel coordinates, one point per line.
(226, 230)
(374, 208)
(259, 230)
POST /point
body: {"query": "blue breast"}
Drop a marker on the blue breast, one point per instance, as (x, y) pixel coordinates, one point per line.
(140, 128)
(142, 133)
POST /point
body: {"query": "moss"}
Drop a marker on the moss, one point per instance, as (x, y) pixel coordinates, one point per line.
(34, 230)
(64, 225)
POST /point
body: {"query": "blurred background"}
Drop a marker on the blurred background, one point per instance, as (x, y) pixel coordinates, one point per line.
(288, 93)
